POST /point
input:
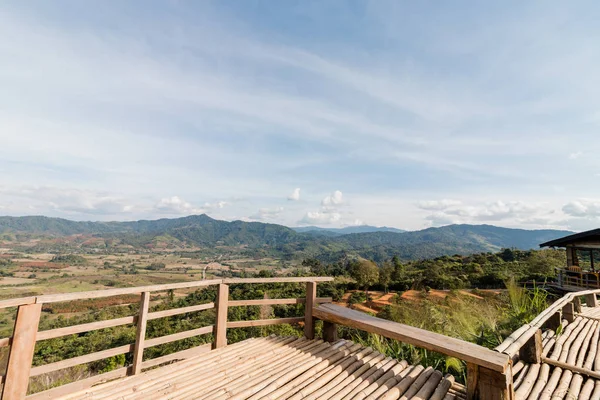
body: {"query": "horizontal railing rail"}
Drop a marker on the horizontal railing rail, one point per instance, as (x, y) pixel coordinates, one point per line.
(524, 340)
(581, 279)
(25, 335)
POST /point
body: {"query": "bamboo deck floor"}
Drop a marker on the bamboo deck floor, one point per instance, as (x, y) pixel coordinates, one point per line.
(591, 312)
(283, 368)
(577, 345)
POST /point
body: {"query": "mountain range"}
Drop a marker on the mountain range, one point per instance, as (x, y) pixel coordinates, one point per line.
(281, 241)
(316, 230)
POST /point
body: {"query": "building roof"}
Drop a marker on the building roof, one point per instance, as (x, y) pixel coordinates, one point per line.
(592, 236)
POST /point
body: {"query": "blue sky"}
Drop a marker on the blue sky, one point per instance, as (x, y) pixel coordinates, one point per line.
(406, 114)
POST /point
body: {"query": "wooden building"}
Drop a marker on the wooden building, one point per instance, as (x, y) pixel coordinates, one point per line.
(582, 270)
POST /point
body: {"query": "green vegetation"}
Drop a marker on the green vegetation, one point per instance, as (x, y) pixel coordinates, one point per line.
(257, 239)
(70, 259)
(484, 270)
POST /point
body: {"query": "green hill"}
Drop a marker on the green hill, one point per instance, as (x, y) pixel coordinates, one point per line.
(278, 240)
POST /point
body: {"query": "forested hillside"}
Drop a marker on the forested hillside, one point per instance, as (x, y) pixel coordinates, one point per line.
(280, 241)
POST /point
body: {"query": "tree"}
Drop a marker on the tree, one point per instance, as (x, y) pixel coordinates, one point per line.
(399, 269)
(385, 275)
(365, 273)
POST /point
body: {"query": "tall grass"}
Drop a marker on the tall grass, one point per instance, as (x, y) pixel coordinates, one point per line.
(485, 321)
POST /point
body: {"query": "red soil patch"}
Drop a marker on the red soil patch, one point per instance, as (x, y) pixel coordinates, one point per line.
(43, 264)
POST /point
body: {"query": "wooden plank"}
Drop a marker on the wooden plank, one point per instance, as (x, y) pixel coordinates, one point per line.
(262, 322)
(180, 355)
(220, 328)
(53, 298)
(466, 351)
(92, 326)
(140, 334)
(22, 301)
(71, 362)
(83, 384)
(232, 281)
(178, 311)
(263, 302)
(311, 300)
(21, 352)
(178, 336)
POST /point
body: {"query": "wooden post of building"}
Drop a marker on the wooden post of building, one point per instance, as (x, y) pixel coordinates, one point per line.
(220, 328)
(485, 384)
(140, 334)
(329, 332)
(568, 312)
(531, 352)
(570, 256)
(21, 352)
(591, 300)
(311, 301)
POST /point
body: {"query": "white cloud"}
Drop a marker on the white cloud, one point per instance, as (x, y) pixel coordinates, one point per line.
(64, 200)
(434, 205)
(176, 206)
(333, 200)
(265, 214)
(513, 212)
(319, 217)
(295, 195)
(575, 156)
(583, 208)
(216, 205)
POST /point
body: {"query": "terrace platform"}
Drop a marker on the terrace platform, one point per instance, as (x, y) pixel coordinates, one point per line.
(283, 368)
(257, 368)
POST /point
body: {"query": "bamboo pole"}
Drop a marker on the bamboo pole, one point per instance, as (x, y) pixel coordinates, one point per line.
(350, 381)
(215, 357)
(390, 374)
(213, 386)
(336, 374)
(442, 388)
(402, 386)
(203, 381)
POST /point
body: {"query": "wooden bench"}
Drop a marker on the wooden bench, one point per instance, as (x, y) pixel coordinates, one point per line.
(489, 374)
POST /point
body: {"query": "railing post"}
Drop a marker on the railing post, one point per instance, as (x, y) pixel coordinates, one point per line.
(554, 321)
(577, 305)
(485, 384)
(531, 352)
(220, 328)
(311, 300)
(568, 312)
(140, 335)
(329, 332)
(591, 300)
(21, 352)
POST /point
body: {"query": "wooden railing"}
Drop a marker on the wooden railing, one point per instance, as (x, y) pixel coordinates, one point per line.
(581, 279)
(525, 342)
(25, 335)
(489, 373)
